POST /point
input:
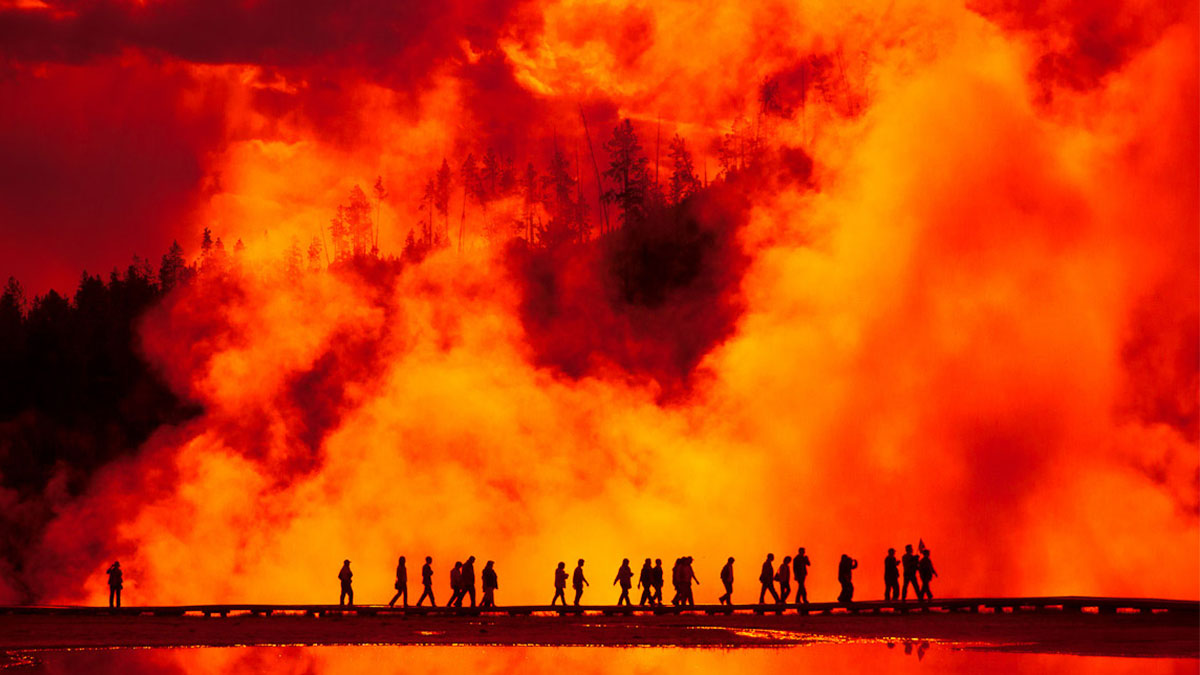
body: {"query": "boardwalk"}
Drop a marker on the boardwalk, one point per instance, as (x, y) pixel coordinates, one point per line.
(1103, 626)
(942, 605)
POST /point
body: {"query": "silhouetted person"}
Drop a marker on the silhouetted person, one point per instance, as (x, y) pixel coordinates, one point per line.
(490, 584)
(560, 584)
(645, 582)
(401, 583)
(347, 592)
(578, 581)
(656, 580)
(784, 577)
(687, 576)
(116, 581)
(925, 568)
(800, 571)
(427, 582)
(677, 581)
(455, 585)
(625, 578)
(767, 577)
(909, 563)
(467, 581)
(891, 577)
(846, 577)
(727, 581)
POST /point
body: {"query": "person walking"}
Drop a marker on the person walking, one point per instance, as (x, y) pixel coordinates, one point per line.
(845, 577)
(578, 581)
(645, 577)
(427, 582)
(467, 581)
(689, 577)
(909, 564)
(925, 568)
(560, 584)
(455, 585)
(677, 581)
(490, 584)
(891, 577)
(345, 575)
(767, 577)
(116, 581)
(800, 571)
(656, 581)
(784, 577)
(625, 579)
(401, 583)
(727, 581)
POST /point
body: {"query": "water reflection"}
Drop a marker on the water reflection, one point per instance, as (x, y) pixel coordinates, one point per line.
(894, 657)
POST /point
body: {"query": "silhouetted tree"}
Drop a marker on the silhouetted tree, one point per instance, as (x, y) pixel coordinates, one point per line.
(683, 176)
(559, 199)
(294, 262)
(627, 171)
(173, 270)
(442, 197)
(380, 193)
(314, 255)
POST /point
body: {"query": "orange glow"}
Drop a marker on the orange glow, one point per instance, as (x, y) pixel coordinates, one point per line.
(963, 327)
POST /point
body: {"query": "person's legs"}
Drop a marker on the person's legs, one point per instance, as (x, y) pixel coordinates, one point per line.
(578, 595)
(392, 602)
(471, 590)
(112, 594)
(784, 592)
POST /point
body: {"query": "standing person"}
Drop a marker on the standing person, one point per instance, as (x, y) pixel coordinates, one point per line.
(467, 581)
(784, 577)
(560, 584)
(116, 581)
(490, 584)
(455, 585)
(800, 570)
(727, 582)
(845, 577)
(401, 583)
(909, 563)
(688, 576)
(645, 579)
(347, 592)
(891, 577)
(767, 577)
(427, 582)
(925, 567)
(656, 580)
(578, 581)
(625, 578)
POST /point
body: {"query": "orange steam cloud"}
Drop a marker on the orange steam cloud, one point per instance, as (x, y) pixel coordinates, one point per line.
(974, 321)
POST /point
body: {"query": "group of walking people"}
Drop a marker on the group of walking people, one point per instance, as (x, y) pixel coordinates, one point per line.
(917, 570)
(462, 583)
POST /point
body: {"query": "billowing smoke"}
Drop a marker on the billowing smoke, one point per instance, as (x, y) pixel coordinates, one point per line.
(936, 279)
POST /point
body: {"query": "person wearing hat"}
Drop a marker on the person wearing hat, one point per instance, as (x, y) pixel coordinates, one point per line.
(347, 596)
(115, 583)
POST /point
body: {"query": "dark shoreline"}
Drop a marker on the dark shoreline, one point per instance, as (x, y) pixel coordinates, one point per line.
(1162, 635)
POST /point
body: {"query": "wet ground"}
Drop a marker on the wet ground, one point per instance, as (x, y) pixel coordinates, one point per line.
(1174, 635)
